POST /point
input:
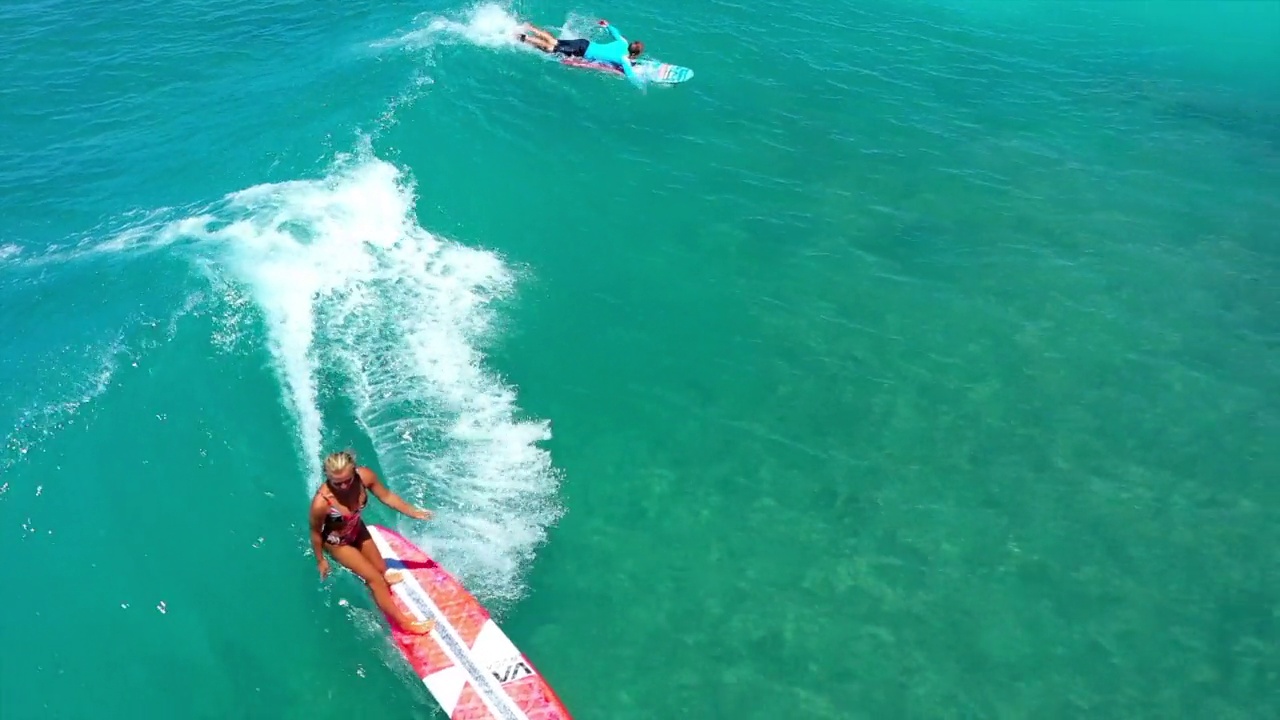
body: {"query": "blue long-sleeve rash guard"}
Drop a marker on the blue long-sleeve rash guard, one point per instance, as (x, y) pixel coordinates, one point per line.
(614, 52)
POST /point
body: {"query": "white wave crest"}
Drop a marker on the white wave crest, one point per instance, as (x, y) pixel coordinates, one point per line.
(347, 282)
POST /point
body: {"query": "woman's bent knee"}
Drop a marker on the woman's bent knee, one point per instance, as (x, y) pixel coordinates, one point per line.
(377, 583)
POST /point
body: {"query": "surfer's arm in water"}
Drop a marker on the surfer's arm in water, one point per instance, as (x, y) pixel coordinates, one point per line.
(318, 510)
(393, 501)
(624, 63)
(631, 74)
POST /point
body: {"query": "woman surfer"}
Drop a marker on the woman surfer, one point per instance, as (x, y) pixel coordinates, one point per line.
(337, 528)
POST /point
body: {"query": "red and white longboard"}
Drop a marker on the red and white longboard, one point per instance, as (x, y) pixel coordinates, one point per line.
(467, 663)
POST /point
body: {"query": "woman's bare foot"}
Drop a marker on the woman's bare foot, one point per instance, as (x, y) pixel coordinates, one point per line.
(418, 627)
(393, 576)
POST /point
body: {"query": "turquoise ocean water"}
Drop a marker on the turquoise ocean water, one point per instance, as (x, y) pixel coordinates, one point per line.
(917, 359)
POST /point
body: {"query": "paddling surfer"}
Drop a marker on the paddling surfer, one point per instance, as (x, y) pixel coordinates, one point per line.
(619, 52)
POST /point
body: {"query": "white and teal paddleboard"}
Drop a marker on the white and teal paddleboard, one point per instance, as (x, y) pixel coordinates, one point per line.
(649, 70)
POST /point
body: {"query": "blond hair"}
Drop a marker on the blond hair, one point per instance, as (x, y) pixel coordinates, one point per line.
(338, 462)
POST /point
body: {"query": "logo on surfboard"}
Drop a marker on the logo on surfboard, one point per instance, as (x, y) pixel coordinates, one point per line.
(510, 670)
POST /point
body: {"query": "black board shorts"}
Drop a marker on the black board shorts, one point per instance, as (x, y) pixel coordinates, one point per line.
(572, 48)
